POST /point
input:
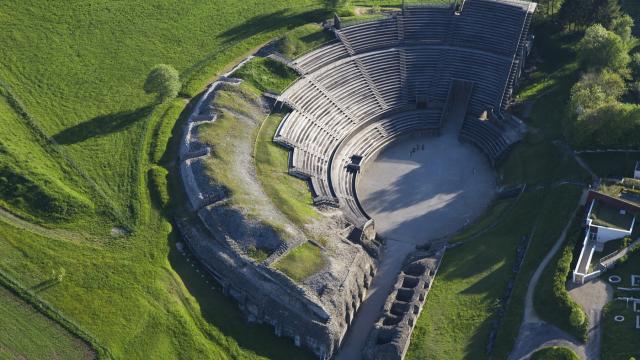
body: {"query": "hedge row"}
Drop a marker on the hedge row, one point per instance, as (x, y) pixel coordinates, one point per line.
(49, 311)
(552, 301)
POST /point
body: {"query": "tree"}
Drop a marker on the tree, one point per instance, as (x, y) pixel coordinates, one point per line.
(596, 89)
(575, 12)
(605, 12)
(601, 49)
(164, 81)
(622, 25)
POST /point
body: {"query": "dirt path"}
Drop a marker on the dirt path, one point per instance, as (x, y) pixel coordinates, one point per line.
(58, 234)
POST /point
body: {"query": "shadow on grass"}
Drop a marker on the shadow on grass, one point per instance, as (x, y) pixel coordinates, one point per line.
(272, 21)
(101, 125)
(223, 313)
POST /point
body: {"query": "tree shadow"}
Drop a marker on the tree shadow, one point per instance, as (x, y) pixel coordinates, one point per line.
(269, 22)
(101, 125)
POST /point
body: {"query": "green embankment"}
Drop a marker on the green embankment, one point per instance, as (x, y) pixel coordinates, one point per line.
(301, 262)
(32, 183)
(289, 194)
(27, 334)
(555, 353)
(77, 68)
(266, 75)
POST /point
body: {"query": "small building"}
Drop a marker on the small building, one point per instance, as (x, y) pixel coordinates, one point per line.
(636, 171)
(608, 218)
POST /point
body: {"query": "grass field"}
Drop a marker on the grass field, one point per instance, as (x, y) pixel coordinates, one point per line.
(27, 334)
(619, 339)
(76, 69)
(612, 164)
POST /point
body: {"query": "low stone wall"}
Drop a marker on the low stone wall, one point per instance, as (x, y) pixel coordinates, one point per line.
(390, 337)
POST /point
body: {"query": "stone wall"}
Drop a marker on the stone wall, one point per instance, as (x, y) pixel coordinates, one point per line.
(316, 321)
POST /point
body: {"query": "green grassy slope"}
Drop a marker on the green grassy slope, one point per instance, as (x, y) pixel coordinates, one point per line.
(27, 334)
(79, 66)
(289, 194)
(33, 182)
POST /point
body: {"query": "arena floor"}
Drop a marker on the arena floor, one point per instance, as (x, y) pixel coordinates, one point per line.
(423, 188)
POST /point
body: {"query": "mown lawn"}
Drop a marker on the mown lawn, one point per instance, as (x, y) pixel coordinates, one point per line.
(619, 339)
(27, 334)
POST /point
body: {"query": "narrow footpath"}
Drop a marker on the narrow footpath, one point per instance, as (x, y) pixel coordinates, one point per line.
(536, 333)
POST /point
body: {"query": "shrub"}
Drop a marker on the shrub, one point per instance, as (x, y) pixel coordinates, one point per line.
(164, 81)
(577, 317)
(552, 300)
(601, 49)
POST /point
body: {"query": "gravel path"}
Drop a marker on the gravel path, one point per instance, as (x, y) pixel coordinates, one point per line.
(534, 332)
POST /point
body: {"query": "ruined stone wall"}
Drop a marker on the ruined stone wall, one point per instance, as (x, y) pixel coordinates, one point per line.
(390, 337)
(316, 321)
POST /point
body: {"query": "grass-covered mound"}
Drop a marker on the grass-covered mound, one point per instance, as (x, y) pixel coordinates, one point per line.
(266, 75)
(301, 262)
(555, 353)
(619, 339)
(27, 334)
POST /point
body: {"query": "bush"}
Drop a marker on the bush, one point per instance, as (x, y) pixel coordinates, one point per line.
(577, 317)
(164, 81)
(552, 300)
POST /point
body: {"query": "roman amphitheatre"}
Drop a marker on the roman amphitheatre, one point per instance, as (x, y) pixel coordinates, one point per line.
(436, 179)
